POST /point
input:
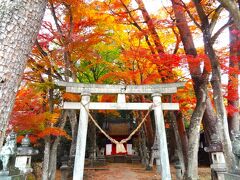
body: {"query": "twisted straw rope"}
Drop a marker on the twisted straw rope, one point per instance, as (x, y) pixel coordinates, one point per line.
(119, 145)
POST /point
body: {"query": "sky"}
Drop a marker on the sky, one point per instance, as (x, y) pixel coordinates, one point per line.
(153, 5)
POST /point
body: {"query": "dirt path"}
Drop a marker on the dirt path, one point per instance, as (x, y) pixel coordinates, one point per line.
(122, 171)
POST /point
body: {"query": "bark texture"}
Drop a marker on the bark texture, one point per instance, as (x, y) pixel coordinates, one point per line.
(183, 135)
(74, 129)
(222, 123)
(209, 116)
(143, 148)
(20, 22)
(194, 129)
(210, 119)
(233, 97)
(50, 151)
(46, 158)
(53, 156)
(151, 27)
(179, 146)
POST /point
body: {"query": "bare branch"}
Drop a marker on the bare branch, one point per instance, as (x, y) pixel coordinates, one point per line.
(215, 18)
(178, 40)
(55, 18)
(70, 19)
(40, 48)
(220, 30)
(190, 15)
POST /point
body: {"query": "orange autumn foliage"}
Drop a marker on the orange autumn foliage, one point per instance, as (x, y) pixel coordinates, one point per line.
(71, 97)
(29, 116)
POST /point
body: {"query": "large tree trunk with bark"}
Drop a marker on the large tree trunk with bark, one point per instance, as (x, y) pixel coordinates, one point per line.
(209, 118)
(20, 22)
(222, 123)
(194, 135)
(219, 104)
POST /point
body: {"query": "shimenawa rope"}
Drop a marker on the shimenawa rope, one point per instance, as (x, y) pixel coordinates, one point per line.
(119, 145)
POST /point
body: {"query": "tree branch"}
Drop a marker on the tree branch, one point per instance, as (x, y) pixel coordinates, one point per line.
(215, 18)
(220, 30)
(189, 14)
(233, 9)
(55, 18)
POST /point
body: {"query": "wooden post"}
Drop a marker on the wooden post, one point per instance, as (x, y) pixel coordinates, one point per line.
(121, 99)
(160, 129)
(81, 139)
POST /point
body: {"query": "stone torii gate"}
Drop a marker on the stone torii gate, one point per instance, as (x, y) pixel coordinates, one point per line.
(156, 90)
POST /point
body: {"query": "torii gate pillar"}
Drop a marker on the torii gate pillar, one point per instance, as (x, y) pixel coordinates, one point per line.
(81, 138)
(161, 133)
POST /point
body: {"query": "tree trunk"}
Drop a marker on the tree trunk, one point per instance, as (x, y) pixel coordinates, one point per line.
(178, 141)
(219, 104)
(210, 119)
(194, 130)
(74, 128)
(54, 147)
(46, 158)
(233, 97)
(48, 139)
(151, 27)
(19, 24)
(222, 123)
(183, 135)
(140, 146)
(94, 143)
(53, 160)
(149, 131)
(143, 147)
(91, 141)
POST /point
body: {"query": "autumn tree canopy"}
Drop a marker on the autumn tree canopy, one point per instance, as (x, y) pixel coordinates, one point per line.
(115, 41)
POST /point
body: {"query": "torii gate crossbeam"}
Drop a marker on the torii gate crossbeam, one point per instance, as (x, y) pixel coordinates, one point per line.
(120, 106)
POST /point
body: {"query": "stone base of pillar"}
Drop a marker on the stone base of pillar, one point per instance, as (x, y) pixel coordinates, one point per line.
(179, 172)
(158, 165)
(100, 161)
(229, 176)
(218, 171)
(13, 177)
(65, 172)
